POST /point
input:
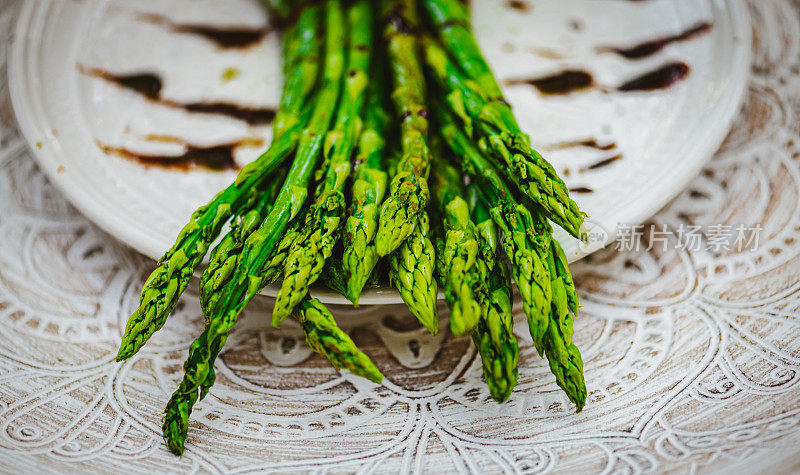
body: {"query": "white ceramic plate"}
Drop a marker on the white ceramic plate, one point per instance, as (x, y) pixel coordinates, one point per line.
(664, 137)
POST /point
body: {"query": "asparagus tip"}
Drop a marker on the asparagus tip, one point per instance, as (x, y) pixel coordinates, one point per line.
(353, 297)
(374, 375)
(501, 397)
(432, 326)
(124, 353)
(174, 439)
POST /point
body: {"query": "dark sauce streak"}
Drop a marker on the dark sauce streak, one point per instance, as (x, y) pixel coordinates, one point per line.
(588, 143)
(649, 48)
(661, 78)
(236, 37)
(150, 85)
(558, 84)
(216, 157)
(226, 37)
(147, 84)
(570, 81)
(251, 115)
(519, 5)
(581, 189)
(604, 163)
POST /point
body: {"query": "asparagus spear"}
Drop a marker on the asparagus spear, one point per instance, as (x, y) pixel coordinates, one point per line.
(457, 282)
(562, 265)
(488, 281)
(269, 274)
(301, 50)
(411, 270)
(315, 243)
(494, 336)
(457, 248)
(225, 255)
(260, 247)
(168, 281)
(302, 47)
(487, 230)
(369, 187)
(567, 366)
(501, 138)
(536, 255)
(563, 356)
(521, 242)
(327, 339)
(451, 19)
(408, 192)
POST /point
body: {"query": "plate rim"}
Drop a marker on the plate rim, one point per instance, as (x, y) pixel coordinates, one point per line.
(666, 190)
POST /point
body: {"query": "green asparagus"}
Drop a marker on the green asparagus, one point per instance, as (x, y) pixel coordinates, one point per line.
(411, 269)
(501, 139)
(457, 248)
(260, 246)
(563, 356)
(327, 339)
(494, 335)
(175, 269)
(315, 243)
(408, 191)
(488, 190)
(224, 256)
(369, 187)
(522, 244)
(487, 230)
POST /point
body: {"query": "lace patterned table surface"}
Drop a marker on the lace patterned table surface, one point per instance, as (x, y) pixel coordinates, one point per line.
(692, 356)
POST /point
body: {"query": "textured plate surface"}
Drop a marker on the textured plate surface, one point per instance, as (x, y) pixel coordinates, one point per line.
(663, 137)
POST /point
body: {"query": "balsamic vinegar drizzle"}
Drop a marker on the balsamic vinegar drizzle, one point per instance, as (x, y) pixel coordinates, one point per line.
(216, 157)
(221, 157)
(661, 78)
(651, 47)
(147, 84)
(225, 37)
(571, 81)
(588, 143)
(561, 83)
(251, 115)
(604, 163)
(150, 85)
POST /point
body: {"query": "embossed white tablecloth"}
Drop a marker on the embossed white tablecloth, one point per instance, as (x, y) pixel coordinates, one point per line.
(691, 356)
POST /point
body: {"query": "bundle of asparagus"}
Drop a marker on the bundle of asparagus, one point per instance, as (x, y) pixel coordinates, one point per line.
(431, 203)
